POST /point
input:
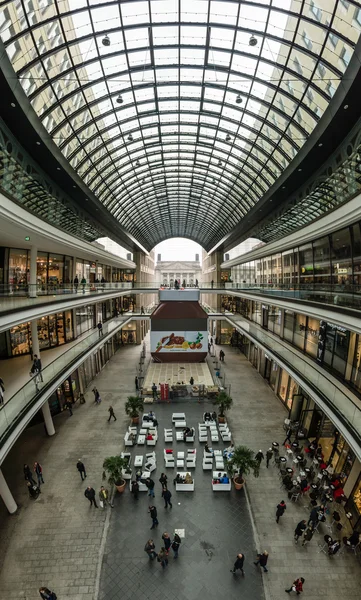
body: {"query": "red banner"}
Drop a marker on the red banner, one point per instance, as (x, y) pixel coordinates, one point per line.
(164, 391)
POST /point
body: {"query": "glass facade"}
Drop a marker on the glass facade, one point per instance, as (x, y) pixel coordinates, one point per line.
(53, 330)
(331, 262)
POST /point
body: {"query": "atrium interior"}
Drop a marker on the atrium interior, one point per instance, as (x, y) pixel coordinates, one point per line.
(180, 268)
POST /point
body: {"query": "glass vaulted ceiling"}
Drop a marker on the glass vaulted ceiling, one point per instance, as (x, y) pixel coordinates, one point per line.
(180, 114)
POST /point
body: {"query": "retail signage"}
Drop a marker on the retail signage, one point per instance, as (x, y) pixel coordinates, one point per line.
(342, 271)
(178, 341)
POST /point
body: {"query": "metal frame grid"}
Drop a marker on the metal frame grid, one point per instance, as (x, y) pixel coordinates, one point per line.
(179, 125)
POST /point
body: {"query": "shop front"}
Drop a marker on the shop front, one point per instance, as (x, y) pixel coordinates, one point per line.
(129, 333)
(353, 504)
(53, 330)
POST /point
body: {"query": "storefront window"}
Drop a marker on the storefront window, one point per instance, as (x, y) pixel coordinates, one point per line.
(56, 269)
(53, 330)
(299, 332)
(42, 270)
(289, 318)
(68, 270)
(60, 328)
(322, 264)
(342, 339)
(287, 267)
(306, 264)
(313, 326)
(273, 374)
(43, 333)
(293, 390)
(84, 319)
(354, 503)
(341, 257)
(356, 246)
(356, 367)
(129, 336)
(79, 269)
(18, 266)
(20, 339)
(283, 385)
(69, 325)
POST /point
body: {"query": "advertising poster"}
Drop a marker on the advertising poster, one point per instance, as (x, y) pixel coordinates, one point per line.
(178, 341)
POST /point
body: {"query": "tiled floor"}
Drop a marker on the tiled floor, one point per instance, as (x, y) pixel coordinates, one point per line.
(57, 540)
(174, 373)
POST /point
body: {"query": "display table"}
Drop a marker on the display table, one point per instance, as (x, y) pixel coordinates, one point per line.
(141, 440)
(138, 461)
(220, 487)
(179, 436)
(184, 487)
(178, 417)
(180, 424)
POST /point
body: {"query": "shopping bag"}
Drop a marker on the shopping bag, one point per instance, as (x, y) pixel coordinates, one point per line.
(101, 503)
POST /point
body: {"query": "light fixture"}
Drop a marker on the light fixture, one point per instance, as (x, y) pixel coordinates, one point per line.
(220, 163)
(346, 106)
(119, 99)
(38, 143)
(252, 41)
(137, 164)
(320, 144)
(27, 238)
(239, 99)
(74, 186)
(106, 40)
(299, 170)
(130, 137)
(13, 104)
(283, 187)
(228, 138)
(58, 168)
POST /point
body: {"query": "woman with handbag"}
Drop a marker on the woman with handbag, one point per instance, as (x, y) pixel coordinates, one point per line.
(297, 586)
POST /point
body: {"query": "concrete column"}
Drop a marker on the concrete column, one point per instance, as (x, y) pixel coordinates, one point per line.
(7, 495)
(48, 419)
(33, 268)
(34, 338)
(74, 268)
(111, 275)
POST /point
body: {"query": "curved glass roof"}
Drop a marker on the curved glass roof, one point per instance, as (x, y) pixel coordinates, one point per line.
(180, 114)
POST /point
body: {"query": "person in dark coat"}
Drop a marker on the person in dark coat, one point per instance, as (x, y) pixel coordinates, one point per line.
(149, 548)
(301, 526)
(136, 381)
(111, 413)
(167, 541)
(163, 558)
(175, 544)
(150, 485)
(76, 284)
(269, 455)
(163, 480)
(90, 494)
(288, 436)
(308, 535)
(259, 456)
(33, 490)
(81, 468)
(262, 560)
(38, 469)
(281, 507)
(46, 594)
(135, 489)
(153, 514)
(28, 474)
(167, 498)
(238, 564)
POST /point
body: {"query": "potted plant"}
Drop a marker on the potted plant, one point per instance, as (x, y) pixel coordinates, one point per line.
(133, 406)
(113, 471)
(241, 463)
(224, 402)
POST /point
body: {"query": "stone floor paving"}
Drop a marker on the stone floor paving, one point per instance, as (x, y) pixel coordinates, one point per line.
(58, 540)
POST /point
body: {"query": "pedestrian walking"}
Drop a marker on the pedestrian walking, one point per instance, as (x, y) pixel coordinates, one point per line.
(317, 514)
(212, 284)
(297, 586)
(83, 284)
(104, 497)
(308, 535)
(167, 498)
(288, 436)
(166, 541)
(111, 413)
(175, 544)
(154, 391)
(28, 474)
(162, 558)
(33, 490)
(100, 328)
(281, 507)
(135, 489)
(262, 559)
(2, 390)
(149, 548)
(259, 456)
(69, 408)
(136, 381)
(97, 398)
(38, 366)
(38, 469)
(301, 526)
(150, 485)
(269, 455)
(47, 594)
(163, 480)
(90, 494)
(76, 283)
(153, 515)
(142, 311)
(238, 564)
(81, 468)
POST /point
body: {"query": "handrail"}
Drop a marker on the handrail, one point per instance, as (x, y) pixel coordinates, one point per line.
(345, 406)
(15, 408)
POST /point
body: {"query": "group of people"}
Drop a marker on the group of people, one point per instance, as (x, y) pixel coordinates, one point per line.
(162, 555)
(32, 485)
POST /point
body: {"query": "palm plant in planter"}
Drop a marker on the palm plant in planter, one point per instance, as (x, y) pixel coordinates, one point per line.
(241, 463)
(224, 402)
(133, 406)
(113, 471)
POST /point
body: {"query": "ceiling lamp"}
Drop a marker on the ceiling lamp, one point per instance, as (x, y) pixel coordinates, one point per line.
(228, 138)
(106, 41)
(130, 138)
(252, 41)
(137, 164)
(220, 163)
(119, 99)
(239, 99)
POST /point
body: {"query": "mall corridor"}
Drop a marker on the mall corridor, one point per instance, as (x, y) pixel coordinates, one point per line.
(59, 541)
